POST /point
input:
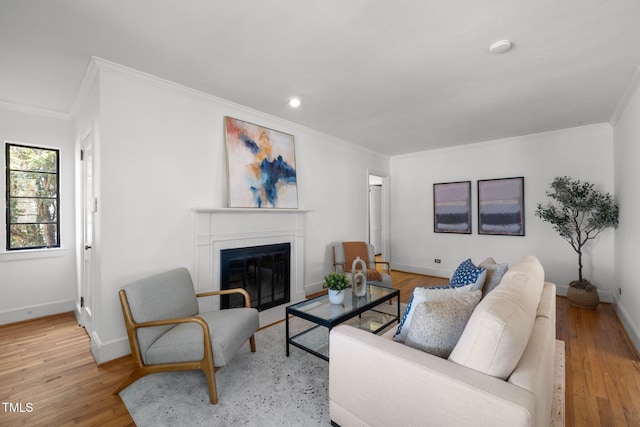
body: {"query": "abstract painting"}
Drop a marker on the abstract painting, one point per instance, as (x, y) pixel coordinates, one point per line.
(501, 206)
(452, 207)
(261, 165)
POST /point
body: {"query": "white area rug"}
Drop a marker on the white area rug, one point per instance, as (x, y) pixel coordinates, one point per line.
(258, 389)
(264, 388)
(557, 404)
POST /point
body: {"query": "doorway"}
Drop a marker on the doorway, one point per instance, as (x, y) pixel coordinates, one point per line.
(89, 208)
(378, 208)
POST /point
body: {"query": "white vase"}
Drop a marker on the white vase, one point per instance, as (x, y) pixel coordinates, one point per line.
(336, 297)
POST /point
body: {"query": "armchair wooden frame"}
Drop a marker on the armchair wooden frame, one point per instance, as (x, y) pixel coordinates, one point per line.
(343, 266)
(206, 364)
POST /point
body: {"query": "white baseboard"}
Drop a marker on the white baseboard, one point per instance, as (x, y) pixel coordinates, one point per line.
(104, 352)
(605, 296)
(438, 272)
(629, 326)
(313, 288)
(35, 311)
(77, 312)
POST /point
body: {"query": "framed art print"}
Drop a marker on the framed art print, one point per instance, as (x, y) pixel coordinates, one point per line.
(501, 206)
(452, 207)
(261, 166)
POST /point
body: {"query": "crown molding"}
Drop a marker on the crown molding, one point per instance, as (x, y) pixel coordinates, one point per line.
(104, 65)
(496, 142)
(90, 74)
(629, 90)
(43, 112)
(98, 64)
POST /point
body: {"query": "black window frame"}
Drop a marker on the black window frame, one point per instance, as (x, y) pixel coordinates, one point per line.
(9, 197)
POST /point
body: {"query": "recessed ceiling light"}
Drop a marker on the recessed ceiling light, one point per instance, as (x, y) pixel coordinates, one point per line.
(500, 46)
(295, 102)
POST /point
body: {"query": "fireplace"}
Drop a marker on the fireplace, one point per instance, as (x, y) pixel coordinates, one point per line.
(219, 229)
(263, 271)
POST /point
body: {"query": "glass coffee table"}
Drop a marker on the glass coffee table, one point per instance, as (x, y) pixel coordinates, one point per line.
(366, 312)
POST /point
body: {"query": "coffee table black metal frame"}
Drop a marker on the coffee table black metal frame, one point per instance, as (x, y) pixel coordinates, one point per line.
(325, 315)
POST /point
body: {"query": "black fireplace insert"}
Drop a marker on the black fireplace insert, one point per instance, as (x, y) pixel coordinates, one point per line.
(263, 271)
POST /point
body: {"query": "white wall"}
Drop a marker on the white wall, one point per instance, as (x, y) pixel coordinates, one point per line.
(627, 177)
(584, 153)
(162, 153)
(37, 283)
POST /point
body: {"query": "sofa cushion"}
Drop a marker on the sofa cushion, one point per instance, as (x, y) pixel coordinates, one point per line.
(499, 328)
(422, 294)
(468, 273)
(437, 325)
(229, 330)
(495, 272)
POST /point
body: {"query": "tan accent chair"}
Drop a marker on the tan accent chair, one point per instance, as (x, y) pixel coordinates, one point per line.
(339, 264)
(168, 333)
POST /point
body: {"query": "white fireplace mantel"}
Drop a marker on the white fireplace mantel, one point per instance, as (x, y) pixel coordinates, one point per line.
(249, 210)
(216, 229)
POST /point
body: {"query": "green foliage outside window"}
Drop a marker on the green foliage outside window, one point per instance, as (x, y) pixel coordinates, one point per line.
(32, 197)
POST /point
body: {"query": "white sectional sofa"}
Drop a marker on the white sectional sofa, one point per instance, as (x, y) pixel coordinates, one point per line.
(500, 372)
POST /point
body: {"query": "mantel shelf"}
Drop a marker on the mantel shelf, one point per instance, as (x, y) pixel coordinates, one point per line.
(249, 210)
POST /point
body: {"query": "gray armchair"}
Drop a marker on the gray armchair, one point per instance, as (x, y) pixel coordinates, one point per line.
(168, 333)
(343, 265)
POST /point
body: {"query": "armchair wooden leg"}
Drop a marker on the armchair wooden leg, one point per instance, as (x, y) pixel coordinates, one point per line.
(210, 373)
(133, 377)
(252, 343)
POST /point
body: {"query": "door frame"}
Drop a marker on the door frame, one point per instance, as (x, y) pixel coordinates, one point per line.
(88, 203)
(385, 214)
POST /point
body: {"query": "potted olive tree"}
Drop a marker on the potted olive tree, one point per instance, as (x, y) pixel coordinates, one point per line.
(579, 213)
(336, 283)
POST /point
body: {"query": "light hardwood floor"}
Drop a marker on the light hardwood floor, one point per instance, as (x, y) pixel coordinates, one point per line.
(47, 363)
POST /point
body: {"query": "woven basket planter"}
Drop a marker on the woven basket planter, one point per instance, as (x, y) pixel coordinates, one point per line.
(583, 299)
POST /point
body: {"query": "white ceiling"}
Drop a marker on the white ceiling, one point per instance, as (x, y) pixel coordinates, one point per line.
(395, 76)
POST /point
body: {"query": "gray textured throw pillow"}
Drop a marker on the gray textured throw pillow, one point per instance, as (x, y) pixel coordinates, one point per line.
(421, 294)
(437, 325)
(494, 274)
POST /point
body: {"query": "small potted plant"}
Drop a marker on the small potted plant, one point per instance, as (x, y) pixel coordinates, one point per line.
(578, 213)
(336, 283)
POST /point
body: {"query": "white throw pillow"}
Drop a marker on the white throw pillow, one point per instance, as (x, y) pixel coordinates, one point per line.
(425, 294)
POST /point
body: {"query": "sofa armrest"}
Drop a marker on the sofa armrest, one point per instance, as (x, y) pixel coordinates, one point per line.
(376, 381)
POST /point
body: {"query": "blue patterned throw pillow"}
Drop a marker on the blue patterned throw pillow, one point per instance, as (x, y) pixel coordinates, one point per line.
(398, 336)
(468, 273)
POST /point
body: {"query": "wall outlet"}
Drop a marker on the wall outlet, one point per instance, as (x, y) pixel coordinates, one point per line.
(437, 260)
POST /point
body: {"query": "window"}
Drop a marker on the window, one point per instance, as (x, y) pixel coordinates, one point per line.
(33, 197)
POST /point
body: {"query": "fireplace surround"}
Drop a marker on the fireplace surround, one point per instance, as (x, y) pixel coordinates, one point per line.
(229, 228)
